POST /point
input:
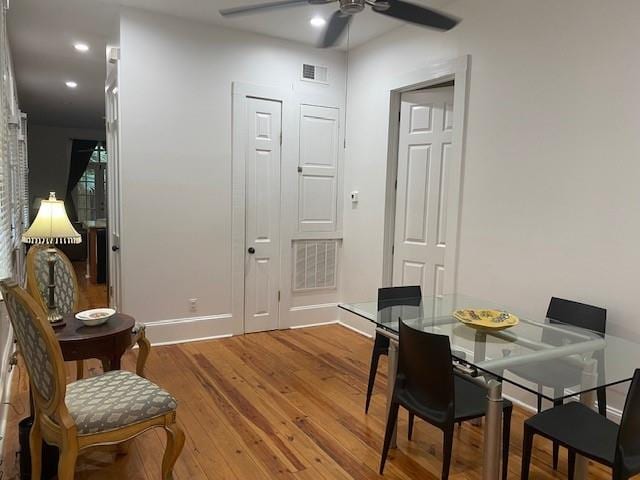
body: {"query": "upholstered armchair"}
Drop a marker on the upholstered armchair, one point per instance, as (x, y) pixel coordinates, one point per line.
(104, 410)
(67, 296)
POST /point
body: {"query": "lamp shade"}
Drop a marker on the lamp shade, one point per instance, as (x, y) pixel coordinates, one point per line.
(51, 225)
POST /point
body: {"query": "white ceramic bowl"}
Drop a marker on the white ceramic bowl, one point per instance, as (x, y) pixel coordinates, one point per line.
(95, 317)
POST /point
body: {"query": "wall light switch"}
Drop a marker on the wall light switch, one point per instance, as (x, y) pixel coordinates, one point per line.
(354, 196)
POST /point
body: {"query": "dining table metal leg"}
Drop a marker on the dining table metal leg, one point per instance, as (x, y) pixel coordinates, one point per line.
(493, 432)
(589, 382)
(391, 381)
(479, 355)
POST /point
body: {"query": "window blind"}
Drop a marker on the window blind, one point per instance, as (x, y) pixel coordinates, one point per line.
(23, 161)
(5, 193)
(12, 175)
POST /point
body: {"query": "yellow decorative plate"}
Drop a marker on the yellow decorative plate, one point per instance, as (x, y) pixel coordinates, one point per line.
(486, 319)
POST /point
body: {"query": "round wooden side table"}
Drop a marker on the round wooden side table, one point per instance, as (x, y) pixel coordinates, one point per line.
(107, 342)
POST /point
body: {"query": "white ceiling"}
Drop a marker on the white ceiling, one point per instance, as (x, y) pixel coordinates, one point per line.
(42, 34)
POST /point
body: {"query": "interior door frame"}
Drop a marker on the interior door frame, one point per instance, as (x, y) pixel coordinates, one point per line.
(114, 181)
(456, 69)
(240, 92)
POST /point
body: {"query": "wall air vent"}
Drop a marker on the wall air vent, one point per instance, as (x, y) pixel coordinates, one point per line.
(314, 264)
(315, 73)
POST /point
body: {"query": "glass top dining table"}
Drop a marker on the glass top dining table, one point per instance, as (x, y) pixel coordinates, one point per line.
(532, 354)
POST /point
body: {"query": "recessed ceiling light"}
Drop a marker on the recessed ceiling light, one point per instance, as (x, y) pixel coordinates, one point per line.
(71, 84)
(81, 47)
(318, 22)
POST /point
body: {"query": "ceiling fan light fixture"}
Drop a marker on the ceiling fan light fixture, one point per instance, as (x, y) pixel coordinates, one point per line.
(318, 21)
(81, 47)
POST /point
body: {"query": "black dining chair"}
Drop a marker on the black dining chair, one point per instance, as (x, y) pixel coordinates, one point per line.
(388, 297)
(585, 432)
(428, 388)
(566, 375)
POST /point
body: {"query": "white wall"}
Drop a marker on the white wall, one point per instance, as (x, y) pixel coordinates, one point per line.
(49, 149)
(550, 193)
(176, 98)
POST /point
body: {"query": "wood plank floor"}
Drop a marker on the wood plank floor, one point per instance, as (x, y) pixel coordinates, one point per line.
(286, 404)
(90, 295)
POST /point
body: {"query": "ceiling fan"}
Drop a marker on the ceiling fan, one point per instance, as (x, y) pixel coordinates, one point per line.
(400, 9)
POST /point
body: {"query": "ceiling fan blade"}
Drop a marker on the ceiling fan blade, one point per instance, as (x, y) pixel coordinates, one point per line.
(261, 7)
(412, 13)
(337, 25)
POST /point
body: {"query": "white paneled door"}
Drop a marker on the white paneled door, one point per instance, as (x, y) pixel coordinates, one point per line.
(262, 266)
(424, 166)
(113, 192)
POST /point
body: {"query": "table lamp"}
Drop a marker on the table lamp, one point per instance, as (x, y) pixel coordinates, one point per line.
(51, 226)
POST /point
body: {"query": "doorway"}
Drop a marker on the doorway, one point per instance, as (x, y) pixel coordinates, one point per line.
(424, 157)
(112, 100)
(262, 214)
(90, 193)
(427, 124)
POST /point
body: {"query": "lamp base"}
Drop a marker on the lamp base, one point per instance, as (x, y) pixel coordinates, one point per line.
(55, 319)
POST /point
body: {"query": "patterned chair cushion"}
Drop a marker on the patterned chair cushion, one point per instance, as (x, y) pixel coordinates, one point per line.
(114, 400)
(63, 279)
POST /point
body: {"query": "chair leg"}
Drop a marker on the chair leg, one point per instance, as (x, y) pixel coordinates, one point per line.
(175, 442)
(527, 445)
(447, 448)
(67, 461)
(602, 401)
(572, 464)
(391, 423)
(79, 370)
(144, 348)
(35, 447)
(619, 473)
(410, 430)
(556, 445)
(375, 356)
(506, 436)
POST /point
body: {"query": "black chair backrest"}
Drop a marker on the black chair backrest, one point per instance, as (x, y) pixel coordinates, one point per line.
(391, 296)
(577, 314)
(629, 433)
(425, 369)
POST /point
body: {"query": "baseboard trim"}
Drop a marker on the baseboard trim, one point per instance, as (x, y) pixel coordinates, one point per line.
(313, 307)
(190, 329)
(191, 340)
(332, 322)
(354, 329)
(311, 315)
(310, 325)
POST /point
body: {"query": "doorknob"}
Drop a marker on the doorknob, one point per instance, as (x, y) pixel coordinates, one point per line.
(251, 250)
(115, 248)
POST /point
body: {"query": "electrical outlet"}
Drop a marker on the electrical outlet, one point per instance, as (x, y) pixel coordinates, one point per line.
(193, 304)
